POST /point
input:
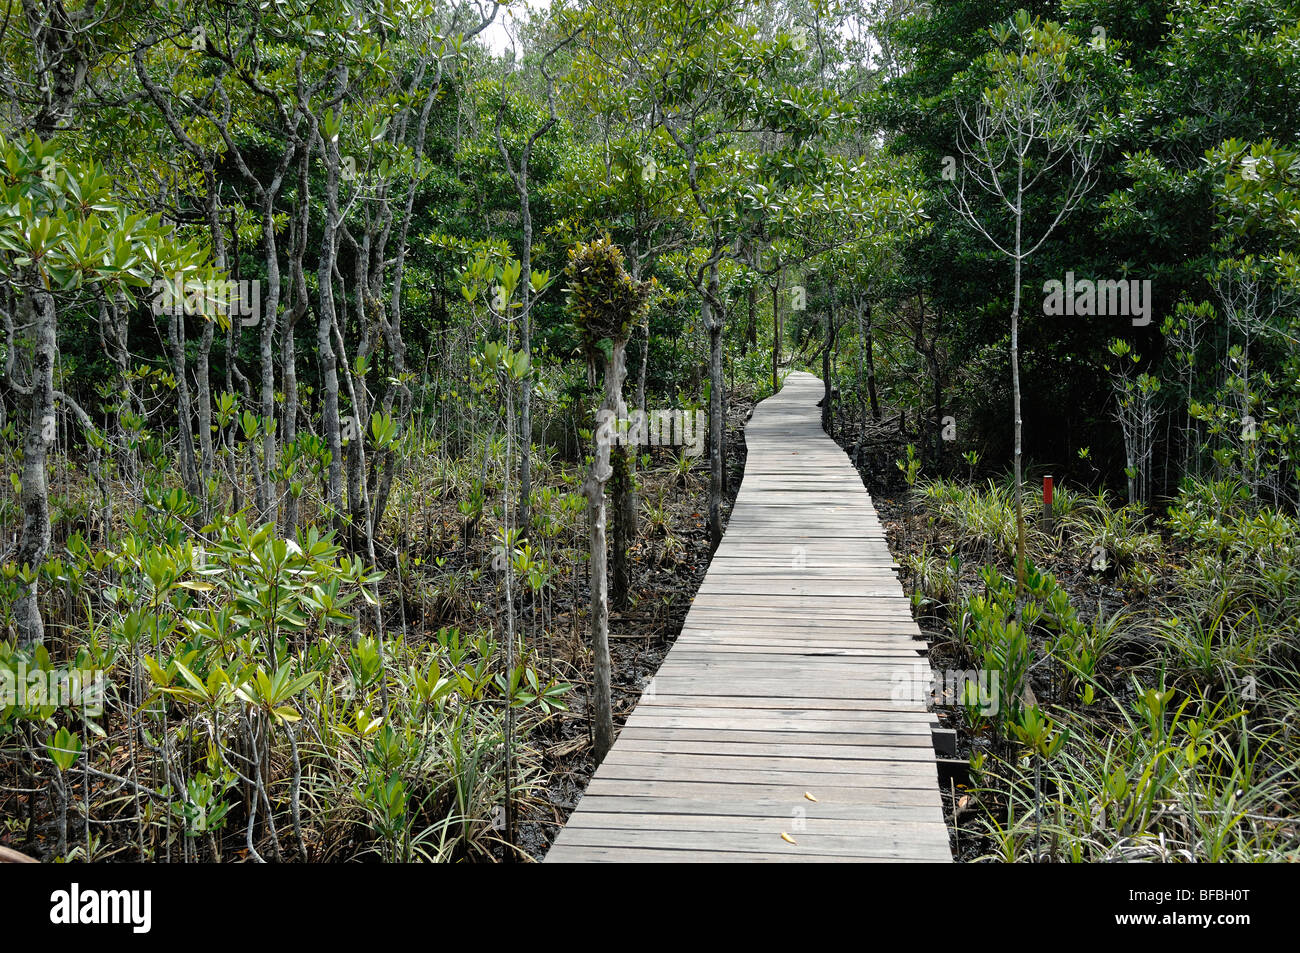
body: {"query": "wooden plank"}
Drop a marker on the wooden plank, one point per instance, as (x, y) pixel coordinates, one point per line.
(873, 762)
(869, 829)
(565, 854)
(655, 717)
(749, 807)
(845, 792)
(767, 704)
(904, 843)
(814, 748)
(666, 738)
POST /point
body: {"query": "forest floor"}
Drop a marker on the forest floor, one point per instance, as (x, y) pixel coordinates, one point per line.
(1128, 585)
(447, 587)
(908, 529)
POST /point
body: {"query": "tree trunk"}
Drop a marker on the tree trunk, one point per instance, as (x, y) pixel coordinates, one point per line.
(621, 491)
(751, 332)
(203, 362)
(645, 362)
(266, 503)
(623, 485)
(713, 320)
(869, 352)
(288, 346)
(526, 345)
(936, 379)
(936, 383)
(776, 337)
(597, 477)
(184, 416)
(324, 327)
(1015, 410)
(828, 399)
(41, 320)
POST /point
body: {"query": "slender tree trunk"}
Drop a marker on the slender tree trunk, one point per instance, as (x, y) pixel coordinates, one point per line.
(510, 636)
(645, 363)
(324, 327)
(203, 362)
(526, 345)
(776, 336)
(355, 468)
(936, 383)
(288, 345)
(869, 352)
(41, 321)
(713, 320)
(184, 412)
(231, 338)
(289, 359)
(828, 410)
(266, 503)
(1015, 410)
(751, 332)
(597, 477)
(389, 460)
(621, 492)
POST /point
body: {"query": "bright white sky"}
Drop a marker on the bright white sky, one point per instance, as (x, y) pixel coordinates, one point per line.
(497, 37)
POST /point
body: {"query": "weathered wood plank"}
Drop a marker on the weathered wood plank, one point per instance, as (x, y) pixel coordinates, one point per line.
(667, 738)
(878, 829)
(765, 808)
(845, 792)
(902, 844)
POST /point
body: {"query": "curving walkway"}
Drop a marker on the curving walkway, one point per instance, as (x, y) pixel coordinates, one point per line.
(784, 708)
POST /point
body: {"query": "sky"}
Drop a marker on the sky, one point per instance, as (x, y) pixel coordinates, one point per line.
(497, 36)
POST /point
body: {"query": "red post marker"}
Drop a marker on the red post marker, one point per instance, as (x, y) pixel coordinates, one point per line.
(1049, 518)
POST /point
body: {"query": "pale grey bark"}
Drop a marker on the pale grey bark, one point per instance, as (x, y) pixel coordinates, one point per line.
(37, 324)
(713, 318)
(295, 312)
(184, 414)
(326, 357)
(597, 477)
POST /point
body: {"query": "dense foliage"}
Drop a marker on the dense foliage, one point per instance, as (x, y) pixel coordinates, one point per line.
(303, 306)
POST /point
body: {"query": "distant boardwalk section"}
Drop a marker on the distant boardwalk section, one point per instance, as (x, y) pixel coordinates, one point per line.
(775, 730)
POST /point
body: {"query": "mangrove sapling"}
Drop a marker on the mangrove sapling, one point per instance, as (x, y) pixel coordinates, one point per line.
(911, 469)
(1030, 122)
(509, 371)
(1135, 410)
(512, 368)
(1038, 734)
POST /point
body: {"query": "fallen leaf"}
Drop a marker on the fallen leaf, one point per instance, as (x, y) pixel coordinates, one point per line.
(788, 839)
(809, 796)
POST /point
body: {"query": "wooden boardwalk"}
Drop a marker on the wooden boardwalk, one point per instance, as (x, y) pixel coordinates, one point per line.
(777, 711)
